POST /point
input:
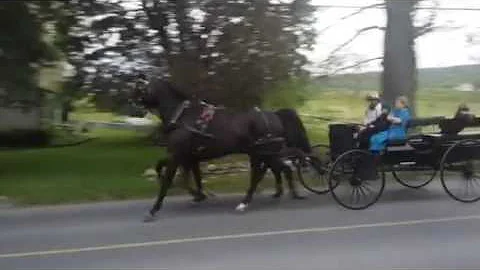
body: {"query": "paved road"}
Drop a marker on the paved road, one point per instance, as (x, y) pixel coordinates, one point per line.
(406, 229)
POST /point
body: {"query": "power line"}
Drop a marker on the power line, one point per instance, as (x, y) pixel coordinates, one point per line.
(382, 7)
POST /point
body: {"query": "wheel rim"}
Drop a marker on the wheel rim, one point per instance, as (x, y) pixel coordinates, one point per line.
(312, 176)
(413, 176)
(462, 180)
(356, 180)
(460, 172)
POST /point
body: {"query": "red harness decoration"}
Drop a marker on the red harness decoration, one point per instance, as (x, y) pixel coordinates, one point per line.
(207, 113)
(205, 117)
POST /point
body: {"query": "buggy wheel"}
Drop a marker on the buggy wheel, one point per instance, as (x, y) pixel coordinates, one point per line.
(460, 171)
(313, 175)
(355, 181)
(413, 176)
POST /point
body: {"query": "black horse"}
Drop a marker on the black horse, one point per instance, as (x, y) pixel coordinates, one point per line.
(264, 136)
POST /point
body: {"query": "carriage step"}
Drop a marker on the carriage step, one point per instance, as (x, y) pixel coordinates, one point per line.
(409, 163)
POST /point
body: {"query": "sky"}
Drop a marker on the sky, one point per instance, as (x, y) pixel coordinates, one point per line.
(444, 47)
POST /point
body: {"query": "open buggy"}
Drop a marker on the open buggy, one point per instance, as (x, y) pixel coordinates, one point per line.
(357, 179)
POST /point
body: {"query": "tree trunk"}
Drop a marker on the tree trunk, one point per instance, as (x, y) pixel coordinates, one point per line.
(400, 70)
(66, 108)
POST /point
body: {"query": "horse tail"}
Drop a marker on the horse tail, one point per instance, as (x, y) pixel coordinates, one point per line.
(294, 130)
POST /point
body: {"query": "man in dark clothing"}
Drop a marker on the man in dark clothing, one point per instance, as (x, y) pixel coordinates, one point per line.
(379, 125)
(462, 119)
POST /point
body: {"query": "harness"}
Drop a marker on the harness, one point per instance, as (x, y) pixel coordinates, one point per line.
(201, 124)
(206, 115)
(268, 139)
(179, 112)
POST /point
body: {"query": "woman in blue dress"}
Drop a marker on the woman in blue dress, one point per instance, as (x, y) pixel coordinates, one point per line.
(399, 118)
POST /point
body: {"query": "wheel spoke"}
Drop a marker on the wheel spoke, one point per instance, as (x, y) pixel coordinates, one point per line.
(367, 186)
(357, 196)
(352, 194)
(475, 182)
(465, 185)
(473, 185)
(362, 191)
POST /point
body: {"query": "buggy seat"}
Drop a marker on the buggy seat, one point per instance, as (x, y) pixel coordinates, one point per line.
(414, 141)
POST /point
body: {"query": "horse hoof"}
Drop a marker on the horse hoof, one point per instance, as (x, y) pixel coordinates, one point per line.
(298, 197)
(277, 195)
(149, 218)
(241, 207)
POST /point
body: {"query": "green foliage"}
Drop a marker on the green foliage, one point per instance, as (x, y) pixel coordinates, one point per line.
(22, 49)
(85, 104)
(289, 94)
(232, 49)
(428, 78)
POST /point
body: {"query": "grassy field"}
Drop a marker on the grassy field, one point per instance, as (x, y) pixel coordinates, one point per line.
(110, 167)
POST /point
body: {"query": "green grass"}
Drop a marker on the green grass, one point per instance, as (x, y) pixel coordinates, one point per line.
(109, 167)
(64, 137)
(86, 116)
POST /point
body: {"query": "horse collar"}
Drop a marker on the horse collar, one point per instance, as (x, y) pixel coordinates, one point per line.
(179, 111)
(265, 120)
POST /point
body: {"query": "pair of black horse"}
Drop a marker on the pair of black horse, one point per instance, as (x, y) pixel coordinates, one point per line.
(266, 137)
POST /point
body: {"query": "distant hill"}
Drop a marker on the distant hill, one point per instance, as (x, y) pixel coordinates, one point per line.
(429, 78)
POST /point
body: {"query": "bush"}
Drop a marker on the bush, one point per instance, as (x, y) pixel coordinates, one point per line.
(25, 138)
(288, 94)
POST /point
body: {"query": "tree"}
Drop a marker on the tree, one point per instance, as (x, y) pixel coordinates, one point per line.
(212, 49)
(23, 51)
(399, 76)
(399, 62)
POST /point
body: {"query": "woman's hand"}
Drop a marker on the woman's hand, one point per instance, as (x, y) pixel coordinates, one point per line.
(394, 120)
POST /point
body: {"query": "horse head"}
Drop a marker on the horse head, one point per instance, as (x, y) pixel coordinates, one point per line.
(140, 95)
(157, 95)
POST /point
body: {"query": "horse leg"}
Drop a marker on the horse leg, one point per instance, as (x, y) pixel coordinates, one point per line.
(255, 177)
(166, 183)
(187, 169)
(278, 179)
(197, 175)
(278, 184)
(278, 166)
(159, 169)
(185, 176)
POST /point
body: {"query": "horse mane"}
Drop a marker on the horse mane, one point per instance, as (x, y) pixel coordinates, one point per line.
(176, 91)
(161, 87)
